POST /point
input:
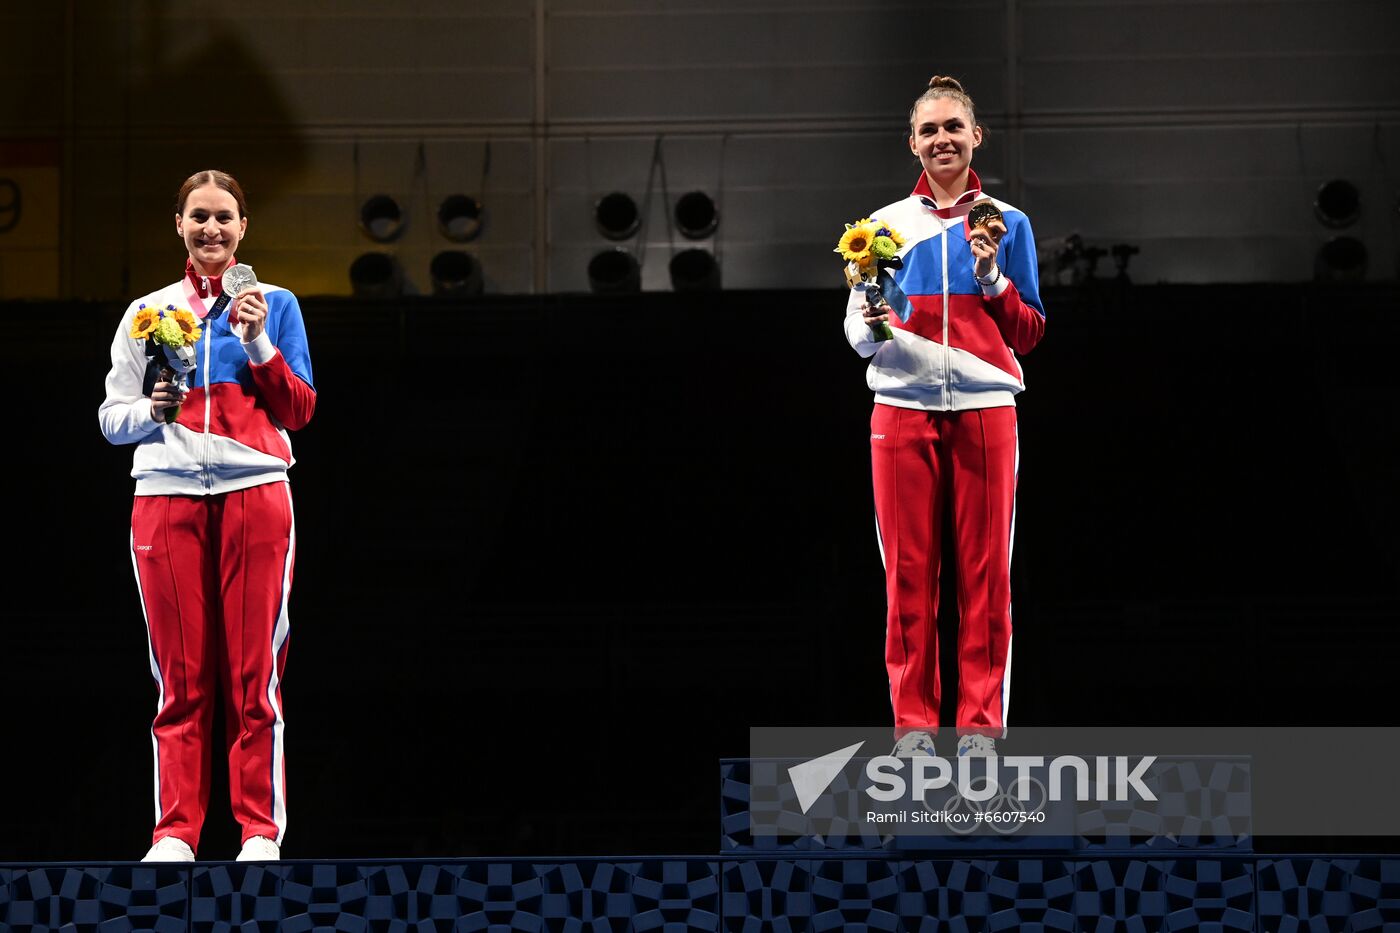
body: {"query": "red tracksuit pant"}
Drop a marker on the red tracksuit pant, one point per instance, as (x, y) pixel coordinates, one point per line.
(214, 573)
(923, 463)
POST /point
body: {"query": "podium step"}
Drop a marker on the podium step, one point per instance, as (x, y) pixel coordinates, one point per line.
(711, 894)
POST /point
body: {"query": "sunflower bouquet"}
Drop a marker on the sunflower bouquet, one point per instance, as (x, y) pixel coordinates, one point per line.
(869, 247)
(170, 334)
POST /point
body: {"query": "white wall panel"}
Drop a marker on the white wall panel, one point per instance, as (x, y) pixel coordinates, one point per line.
(1188, 84)
(1089, 29)
(1184, 56)
(1244, 194)
(1198, 130)
(697, 60)
(300, 69)
(1177, 153)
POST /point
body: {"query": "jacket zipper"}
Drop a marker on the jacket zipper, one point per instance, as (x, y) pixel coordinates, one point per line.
(947, 354)
(204, 455)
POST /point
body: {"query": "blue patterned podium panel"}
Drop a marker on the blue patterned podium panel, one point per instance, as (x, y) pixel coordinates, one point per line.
(748, 893)
(478, 895)
(118, 897)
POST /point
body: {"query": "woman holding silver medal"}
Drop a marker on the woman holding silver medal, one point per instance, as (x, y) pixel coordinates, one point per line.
(212, 534)
(943, 433)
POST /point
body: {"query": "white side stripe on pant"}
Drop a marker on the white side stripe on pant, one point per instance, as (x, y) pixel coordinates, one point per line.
(1010, 549)
(155, 671)
(279, 638)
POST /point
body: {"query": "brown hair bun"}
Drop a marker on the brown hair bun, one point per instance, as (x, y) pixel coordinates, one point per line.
(944, 86)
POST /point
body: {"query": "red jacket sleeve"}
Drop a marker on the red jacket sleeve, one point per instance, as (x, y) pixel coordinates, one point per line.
(1021, 325)
(291, 401)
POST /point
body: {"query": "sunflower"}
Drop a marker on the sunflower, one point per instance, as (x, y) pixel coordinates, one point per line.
(144, 323)
(188, 323)
(855, 243)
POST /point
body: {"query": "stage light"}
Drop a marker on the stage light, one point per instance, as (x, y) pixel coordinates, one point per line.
(381, 219)
(696, 215)
(456, 274)
(694, 270)
(1341, 259)
(459, 218)
(375, 275)
(617, 216)
(1338, 203)
(614, 272)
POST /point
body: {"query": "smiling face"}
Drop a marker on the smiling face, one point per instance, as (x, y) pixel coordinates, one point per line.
(211, 227)
(943, 138)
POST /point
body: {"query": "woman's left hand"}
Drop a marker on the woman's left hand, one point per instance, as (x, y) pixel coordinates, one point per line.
(250, 307)
(985, 240)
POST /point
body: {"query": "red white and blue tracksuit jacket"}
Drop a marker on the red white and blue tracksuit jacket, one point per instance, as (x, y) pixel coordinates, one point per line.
(958, 348)
(232, 429)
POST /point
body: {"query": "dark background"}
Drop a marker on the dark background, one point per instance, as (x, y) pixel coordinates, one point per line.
(557, 555)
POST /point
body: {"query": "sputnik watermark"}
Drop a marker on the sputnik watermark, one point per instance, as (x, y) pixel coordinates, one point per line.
(1115, 777)
(1110, 773)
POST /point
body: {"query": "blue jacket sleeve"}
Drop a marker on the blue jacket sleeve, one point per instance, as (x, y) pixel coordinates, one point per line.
(1017, 309)
(283, 377)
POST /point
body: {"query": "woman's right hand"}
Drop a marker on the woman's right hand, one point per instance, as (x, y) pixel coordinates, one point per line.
(165, 395)
(876, 316)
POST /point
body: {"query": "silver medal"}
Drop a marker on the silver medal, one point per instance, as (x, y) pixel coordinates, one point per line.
(239, 278)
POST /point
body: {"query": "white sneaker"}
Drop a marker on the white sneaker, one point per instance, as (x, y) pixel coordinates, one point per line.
(914, 743)
(259, 849)
(170, 849)
(977, 746)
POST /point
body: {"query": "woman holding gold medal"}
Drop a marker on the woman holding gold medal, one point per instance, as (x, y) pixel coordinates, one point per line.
(207, 384)
(963, 302)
